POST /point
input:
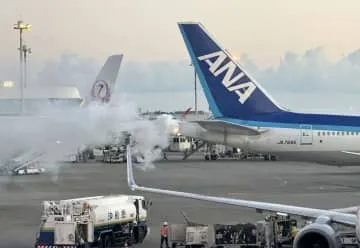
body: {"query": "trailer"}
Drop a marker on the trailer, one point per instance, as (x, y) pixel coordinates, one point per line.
(100, 221)
(182, 235)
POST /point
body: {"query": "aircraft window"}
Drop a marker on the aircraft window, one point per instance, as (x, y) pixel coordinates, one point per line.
(338, 133)
(328, 133)
(351, 133)
(333, 133)
(318, 133)
(347, 133)
(342, 133)
(323, 133)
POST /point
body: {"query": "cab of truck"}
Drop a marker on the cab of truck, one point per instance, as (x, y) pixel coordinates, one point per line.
(142, 205)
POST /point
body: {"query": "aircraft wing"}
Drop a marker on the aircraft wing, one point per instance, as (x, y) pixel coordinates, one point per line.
(338, 217)
(228, 127)
(351, 153)
(352, 209)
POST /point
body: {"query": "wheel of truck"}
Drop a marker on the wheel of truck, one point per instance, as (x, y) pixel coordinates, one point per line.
(106, 242)
(141, 235)
(129, 242)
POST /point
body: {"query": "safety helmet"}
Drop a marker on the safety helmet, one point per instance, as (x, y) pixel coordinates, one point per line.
(165, 223)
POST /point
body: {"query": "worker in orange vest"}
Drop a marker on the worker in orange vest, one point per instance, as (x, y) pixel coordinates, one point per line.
(164, 234)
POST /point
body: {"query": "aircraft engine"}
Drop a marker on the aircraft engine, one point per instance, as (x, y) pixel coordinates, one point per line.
(319, 235)
(357, 228)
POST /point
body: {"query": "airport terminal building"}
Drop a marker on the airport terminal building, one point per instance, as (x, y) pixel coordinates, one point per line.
(36, 99)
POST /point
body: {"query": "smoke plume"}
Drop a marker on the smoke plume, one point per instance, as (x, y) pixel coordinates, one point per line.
(60, 131)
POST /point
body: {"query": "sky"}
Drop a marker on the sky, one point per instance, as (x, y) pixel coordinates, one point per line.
(304, 53)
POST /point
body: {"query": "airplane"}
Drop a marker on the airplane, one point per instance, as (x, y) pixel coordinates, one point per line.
(100, 93)
(319, 233)
(104, 84)
(246, 116)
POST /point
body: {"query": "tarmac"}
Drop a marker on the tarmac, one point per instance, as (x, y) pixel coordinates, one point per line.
(303, 184)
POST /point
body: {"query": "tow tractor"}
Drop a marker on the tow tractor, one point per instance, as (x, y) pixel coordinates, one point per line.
(100, 221)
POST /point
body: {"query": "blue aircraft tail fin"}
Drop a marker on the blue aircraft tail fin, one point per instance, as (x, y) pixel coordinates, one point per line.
(229, 89)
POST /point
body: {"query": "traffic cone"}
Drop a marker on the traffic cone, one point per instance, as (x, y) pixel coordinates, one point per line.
(125, 245)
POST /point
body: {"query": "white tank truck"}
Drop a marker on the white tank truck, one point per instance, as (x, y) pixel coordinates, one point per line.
(100, 221)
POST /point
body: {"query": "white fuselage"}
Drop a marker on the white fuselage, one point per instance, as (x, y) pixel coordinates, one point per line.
(287, 143)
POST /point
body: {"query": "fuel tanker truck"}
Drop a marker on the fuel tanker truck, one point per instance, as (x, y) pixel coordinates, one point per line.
(99, 221)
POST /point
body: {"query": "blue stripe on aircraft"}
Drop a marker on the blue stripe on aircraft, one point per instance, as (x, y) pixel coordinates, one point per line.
(317, 121)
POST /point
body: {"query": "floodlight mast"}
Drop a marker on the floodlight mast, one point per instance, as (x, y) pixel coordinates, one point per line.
(21, 26)
(26, 51)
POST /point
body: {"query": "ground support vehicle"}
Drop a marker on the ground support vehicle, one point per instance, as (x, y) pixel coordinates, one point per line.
(100, 221)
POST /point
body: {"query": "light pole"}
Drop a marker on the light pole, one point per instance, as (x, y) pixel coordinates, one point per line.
(21, 26)
(26, 50)
(195, 88)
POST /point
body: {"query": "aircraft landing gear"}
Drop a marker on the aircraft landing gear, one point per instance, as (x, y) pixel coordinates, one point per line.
(271, 157)
(211, 156)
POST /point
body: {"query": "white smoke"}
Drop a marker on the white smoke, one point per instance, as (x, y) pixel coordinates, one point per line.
(61, 131)
(144, 135)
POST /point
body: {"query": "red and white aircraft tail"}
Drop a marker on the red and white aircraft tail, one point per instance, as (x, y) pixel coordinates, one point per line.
(102, 89)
